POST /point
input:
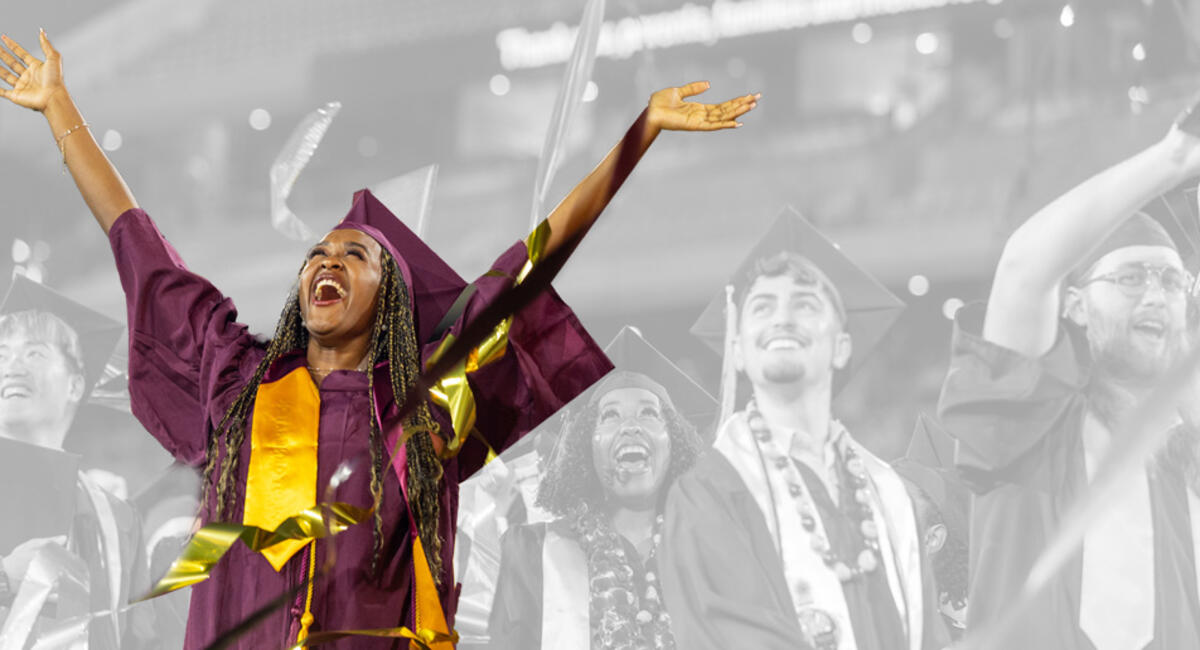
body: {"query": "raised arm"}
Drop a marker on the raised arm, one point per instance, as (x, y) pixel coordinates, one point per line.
(666, 110)
(1023, 308)
(38, 85)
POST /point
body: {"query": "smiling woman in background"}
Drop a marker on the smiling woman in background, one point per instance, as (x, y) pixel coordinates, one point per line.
(354, 333)
(588, 579)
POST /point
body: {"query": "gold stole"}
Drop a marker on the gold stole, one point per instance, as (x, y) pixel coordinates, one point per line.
(282, 481)
(430, 620)
(282, 478)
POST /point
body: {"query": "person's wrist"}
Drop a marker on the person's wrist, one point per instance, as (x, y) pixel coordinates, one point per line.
(1173, 155)
(58, 105)
(651, 120)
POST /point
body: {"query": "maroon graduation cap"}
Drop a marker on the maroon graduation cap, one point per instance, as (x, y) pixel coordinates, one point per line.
(433, 285)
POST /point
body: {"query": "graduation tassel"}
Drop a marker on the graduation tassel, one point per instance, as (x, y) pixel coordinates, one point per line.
(728, 371)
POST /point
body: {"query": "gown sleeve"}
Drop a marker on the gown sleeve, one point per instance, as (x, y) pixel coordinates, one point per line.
(549, 360)
(1004, 408)
(187, 352)
(708, 530)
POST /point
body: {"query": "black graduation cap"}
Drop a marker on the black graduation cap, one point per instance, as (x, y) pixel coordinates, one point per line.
(1176, 211)
(1179, 214)
(929, 464)
(98, 334)
(871, 309)
(931, 445)
(629, 351)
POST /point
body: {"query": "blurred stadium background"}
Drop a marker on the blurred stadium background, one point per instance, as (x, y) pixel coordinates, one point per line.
(916, 133)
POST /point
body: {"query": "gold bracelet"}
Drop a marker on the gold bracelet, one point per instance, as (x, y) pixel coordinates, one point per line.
(62, 147)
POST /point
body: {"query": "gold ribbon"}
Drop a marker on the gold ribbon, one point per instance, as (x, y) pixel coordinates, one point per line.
(433, 633)
(211, 542)
(453, 392)
(282, 474)
(424, 639)
(535, 244)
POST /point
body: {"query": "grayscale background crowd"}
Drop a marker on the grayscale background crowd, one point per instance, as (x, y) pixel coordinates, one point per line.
(916, 136)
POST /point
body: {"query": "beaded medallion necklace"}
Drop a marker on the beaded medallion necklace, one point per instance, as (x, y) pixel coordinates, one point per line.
(862, 511)
(621, 619)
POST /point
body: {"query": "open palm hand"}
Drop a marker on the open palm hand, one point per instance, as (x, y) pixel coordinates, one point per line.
(669, 111)
(33, 82)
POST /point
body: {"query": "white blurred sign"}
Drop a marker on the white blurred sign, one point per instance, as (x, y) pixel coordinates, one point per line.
(690, 24)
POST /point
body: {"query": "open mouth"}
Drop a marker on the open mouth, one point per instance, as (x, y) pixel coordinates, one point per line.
(1151, 328)
(9, 391)
(785, 343)
(633, 457)
(327, 291)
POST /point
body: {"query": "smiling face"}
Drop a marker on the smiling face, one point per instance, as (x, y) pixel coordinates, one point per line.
(338, 286)
(631, 447)
(790, 332)
(40, 387)
(1131, 337)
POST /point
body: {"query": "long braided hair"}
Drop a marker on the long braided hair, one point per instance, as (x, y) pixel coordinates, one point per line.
(393, 339)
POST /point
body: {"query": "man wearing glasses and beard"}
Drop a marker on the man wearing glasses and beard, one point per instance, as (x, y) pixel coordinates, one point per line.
(1088, 311)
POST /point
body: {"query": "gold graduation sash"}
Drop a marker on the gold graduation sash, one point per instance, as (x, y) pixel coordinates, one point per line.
(281, 480)
(282, 475)
(430, 620)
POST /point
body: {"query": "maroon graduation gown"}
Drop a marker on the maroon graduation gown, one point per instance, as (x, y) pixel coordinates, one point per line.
(189, 358)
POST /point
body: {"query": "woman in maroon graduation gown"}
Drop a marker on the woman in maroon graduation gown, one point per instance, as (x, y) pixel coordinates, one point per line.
(354, 333)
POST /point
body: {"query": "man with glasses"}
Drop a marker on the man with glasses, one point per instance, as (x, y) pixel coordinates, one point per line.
(1088, 311)
(1133, 279)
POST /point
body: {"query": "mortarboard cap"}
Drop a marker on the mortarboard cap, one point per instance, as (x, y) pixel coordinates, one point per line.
(929, 464)
(1170, 220)
(630, 352)
(433, 285)
(1176, 211)
(1140, 229)
(931, 445)
(869, 307)
(98, 334)
(410, 196)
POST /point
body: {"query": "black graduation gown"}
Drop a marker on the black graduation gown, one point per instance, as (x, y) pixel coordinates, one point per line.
(723, 581)
(1019, 424)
